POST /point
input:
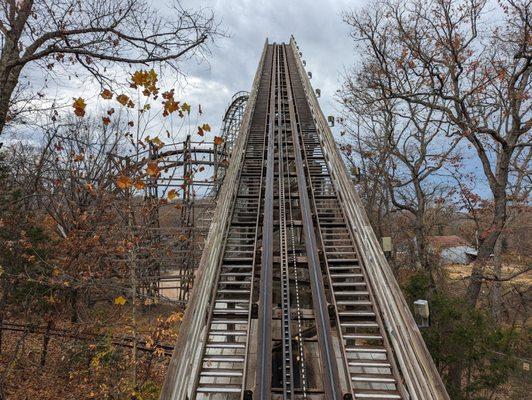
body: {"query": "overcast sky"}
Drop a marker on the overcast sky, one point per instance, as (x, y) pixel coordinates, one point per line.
(322, 36)
(317, 26)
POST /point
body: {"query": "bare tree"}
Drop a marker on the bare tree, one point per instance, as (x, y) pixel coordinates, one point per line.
(366, 166)
(407, 143)
(74, 169)
(92, 35)
(519, 193)
(477, 77)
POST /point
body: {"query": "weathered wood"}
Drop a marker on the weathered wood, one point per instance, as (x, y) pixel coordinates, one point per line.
(417, 367)
(183, 363)
(180, 373)
(415, 363)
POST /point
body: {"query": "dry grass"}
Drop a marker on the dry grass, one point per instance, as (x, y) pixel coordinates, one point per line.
(81, 369)
(518, 273)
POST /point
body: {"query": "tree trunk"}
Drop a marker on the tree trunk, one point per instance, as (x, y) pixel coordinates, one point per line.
(74, 305)
(456, 371)
(133, 272)
(419, 228)
(496, 293)
(9, 74)
(421, 247)
(46, 340)
(3, 303)
(487, 246)
(6, 92)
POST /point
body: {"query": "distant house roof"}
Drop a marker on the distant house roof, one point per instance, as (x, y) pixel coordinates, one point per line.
(453, 249)
(445, 242)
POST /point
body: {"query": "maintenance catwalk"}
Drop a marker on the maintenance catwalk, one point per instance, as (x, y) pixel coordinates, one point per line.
(293, 298)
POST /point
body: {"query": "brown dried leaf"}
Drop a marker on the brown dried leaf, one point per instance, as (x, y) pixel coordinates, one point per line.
(152, 169)
(106, 94)
(124, 182)
(79, 106)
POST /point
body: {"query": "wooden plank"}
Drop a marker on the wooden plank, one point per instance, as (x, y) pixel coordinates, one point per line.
(415, 362)
(329, 371)
(264, 329)
(184, 362)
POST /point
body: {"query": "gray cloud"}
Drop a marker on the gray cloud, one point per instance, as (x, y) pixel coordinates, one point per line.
(317, 26)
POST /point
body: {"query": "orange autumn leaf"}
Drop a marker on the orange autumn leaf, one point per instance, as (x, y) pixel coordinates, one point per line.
(218, 140)
(182, 238)
(170, 106)
(139, 184)
(200, 131)
(201, 168)
(124, 182)
(79, 106)
(168, 94)
(152, 169)
(106, 120)
(90, 188)
(172, 194)
(169, 103)
(152, 77)
(122, 99)
(145, 79)
(106, 94)
(159, 352)
(149, 343)
(138, 77)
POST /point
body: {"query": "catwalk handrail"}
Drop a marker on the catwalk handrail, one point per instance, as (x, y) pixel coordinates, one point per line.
(417, 367)
(181, 370)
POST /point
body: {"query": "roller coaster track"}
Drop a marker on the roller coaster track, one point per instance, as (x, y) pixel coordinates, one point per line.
(293, 298)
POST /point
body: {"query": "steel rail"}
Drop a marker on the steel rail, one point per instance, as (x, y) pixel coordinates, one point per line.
(264, 354)
(256, 250)
(223, 370)
(417, 368)
(353, 282)
(297, 297)
(288, 378)
(331, 381)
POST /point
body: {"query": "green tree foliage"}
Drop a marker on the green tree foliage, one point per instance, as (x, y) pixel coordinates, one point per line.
(471, 352)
